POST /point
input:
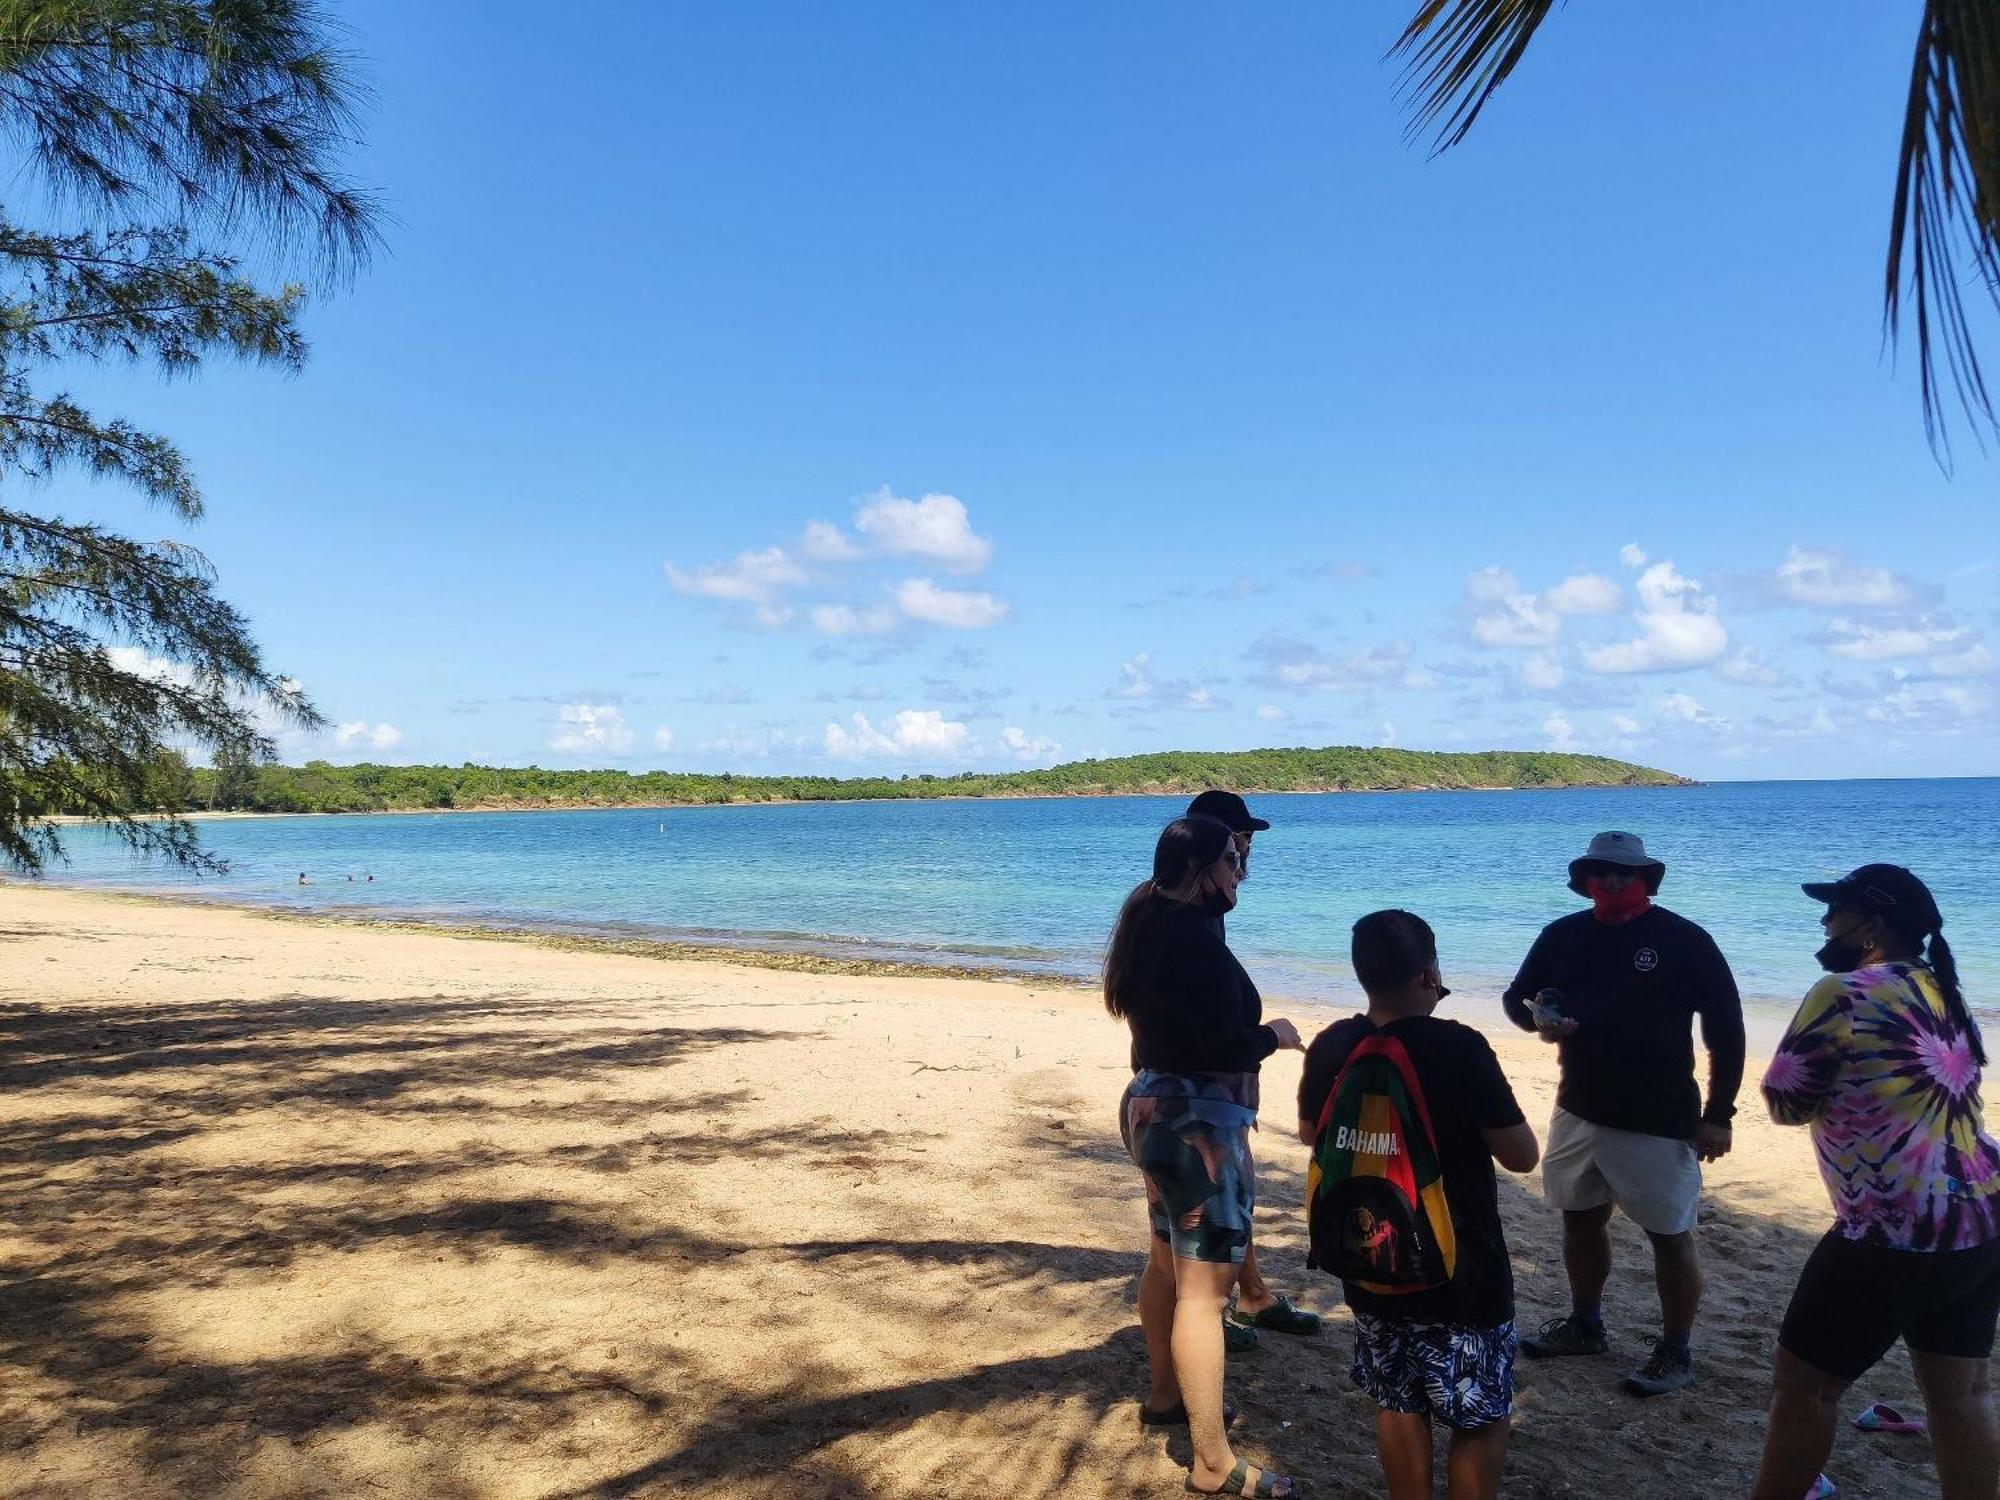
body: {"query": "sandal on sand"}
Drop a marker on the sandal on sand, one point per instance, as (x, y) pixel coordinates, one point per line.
(1822, 1489)
(1882, 1417)
(1176, 1415)
(1279, 1317)
(1269, 1486)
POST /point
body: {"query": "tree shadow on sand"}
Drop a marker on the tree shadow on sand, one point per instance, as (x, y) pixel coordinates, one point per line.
(104, 1212)
(960, 1365)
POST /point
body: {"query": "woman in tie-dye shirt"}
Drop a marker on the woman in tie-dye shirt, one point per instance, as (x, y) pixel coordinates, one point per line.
(1883, 1062)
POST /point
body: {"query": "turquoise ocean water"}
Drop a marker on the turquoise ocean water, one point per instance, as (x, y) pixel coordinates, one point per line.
(1031, 886)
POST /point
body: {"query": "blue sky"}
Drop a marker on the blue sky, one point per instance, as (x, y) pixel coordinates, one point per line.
(912, 387)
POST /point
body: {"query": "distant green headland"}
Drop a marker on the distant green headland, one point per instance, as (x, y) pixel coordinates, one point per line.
(320, 786)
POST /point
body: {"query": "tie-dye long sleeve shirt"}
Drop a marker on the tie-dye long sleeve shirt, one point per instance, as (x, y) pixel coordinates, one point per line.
(1887, 1080)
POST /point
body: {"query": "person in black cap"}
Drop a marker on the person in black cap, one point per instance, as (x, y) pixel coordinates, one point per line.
(1618, 987)
(1199, 1040)
(1883, 1061)
(1255, 1305)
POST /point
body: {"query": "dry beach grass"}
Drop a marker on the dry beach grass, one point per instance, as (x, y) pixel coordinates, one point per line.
(302, 1209)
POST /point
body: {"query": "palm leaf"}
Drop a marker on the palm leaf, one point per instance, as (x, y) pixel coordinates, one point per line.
(1945, 227)
(1459, 52)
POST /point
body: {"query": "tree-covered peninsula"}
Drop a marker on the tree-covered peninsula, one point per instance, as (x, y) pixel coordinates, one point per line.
(322, 787)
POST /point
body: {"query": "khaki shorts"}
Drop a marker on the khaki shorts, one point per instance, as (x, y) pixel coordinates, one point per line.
(1655, 1180)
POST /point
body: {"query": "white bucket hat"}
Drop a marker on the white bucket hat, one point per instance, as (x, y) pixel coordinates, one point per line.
(1618, 849)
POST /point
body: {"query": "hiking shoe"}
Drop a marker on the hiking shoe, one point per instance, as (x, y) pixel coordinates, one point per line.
(1666, 1369)
(1560, 1336)
(1279, 1317)
(1236, 1339)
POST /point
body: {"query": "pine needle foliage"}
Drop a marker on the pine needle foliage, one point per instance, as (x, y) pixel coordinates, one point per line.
(1944, 231)
(176, 136)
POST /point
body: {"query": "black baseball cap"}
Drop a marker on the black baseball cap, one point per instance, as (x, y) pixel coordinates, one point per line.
(1226, 807)
(1886, 891)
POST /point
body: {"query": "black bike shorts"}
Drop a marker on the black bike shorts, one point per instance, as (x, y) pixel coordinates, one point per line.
(1854, 1300)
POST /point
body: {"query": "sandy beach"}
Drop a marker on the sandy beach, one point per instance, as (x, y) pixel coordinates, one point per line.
(301, 1209)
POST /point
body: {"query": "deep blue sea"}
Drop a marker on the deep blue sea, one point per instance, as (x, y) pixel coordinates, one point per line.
(1033, 885)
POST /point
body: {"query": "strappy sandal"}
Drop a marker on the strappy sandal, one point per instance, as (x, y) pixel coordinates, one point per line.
(1269, 1486)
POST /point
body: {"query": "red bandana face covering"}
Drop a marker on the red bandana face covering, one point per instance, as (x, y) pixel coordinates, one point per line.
(1613, 908)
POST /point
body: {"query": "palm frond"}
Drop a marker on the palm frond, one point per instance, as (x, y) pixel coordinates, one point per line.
(1459, 52)
(1945, 227)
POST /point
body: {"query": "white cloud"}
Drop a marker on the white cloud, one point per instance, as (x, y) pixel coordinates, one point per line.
(1821, 578)
(749, 578)
(1541, 672)
(1951, 650)
(1625, 724)
(1270, 713)
(1137, 684)
(1585, 594)
(1683, 708)
(1974, 661)
(844, 619)
(913, 732)
(1678, 623)
(935, 527)
(271, 714)
(592, 727)
(960, 609)
(1632, 555)
(752, 744)
(827, 543)
(139, 663)
(1505, 616)
(1024, 746)
(375, 736)
(1746, 664)
(1386, 735)
(1300, 664)
(663, 738)
(1560, 732)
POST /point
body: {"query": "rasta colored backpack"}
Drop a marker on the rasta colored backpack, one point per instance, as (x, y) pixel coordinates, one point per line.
(1375, 1202)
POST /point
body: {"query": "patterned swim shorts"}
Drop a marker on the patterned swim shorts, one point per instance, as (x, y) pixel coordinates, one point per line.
(1464, 1377)
(1192, 1144)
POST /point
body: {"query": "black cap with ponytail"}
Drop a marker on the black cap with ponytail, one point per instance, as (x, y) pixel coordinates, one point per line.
(1907, 908)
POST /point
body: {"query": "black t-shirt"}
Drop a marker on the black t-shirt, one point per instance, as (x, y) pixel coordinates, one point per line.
(1467, 1094)
(1634, 991)
(1190, 1004)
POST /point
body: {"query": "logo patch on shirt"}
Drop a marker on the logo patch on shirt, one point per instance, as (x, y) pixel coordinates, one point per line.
(1645, 960)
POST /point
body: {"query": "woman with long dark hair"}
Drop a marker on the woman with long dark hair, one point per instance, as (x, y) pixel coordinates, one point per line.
(1198, 1038)
(1883, 1061)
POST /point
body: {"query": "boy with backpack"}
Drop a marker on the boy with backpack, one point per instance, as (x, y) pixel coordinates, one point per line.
(1406, 1115)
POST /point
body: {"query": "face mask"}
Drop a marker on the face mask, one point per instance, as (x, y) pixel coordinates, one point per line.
(1839, 956)
(1616, 907)
(1215, 903)
(1842, 955)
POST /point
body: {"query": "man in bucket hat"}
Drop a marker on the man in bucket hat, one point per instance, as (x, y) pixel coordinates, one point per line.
(1618, 988)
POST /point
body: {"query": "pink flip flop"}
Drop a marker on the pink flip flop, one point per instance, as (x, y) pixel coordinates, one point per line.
(1822, 1489)
(1882, 1417)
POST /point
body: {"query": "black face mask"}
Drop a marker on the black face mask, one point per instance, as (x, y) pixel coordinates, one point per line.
(1840, 956)
(1215, 903)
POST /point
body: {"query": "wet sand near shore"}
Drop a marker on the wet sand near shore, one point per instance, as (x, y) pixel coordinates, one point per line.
(313, 1209)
